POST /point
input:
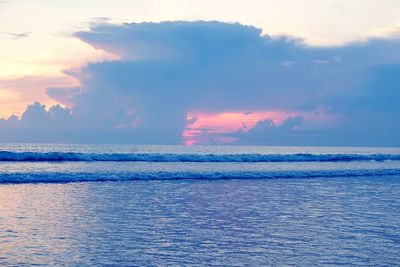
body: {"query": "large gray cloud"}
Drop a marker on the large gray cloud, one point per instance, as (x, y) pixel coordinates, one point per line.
(171, 68)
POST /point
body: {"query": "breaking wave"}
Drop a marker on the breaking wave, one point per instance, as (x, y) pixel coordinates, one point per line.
(15, 178)
(170, 157)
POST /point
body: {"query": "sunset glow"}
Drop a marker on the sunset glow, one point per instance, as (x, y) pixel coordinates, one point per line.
(17, 93)
(197, 72)
(199, 132)
(208, 127)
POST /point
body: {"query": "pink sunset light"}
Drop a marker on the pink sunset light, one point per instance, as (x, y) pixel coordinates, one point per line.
(206, 128)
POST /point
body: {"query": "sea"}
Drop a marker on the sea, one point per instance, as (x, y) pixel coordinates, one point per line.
(129, 205)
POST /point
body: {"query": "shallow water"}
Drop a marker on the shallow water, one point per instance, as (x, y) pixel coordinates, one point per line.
(318, 221)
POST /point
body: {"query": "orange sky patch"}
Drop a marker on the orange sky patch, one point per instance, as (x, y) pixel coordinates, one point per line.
(17, 93)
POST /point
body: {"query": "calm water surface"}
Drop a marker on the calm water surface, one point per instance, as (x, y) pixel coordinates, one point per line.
(319, 221)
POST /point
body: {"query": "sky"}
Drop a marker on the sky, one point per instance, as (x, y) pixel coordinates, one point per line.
(287, 72)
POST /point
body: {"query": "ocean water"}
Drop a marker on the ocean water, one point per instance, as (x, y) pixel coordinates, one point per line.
(91, 205)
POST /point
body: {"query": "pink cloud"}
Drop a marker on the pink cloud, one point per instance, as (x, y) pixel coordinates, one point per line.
(206, 127)
(18, 92)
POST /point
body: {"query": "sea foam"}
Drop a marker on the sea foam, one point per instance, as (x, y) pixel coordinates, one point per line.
(55, 177)
(170, 157)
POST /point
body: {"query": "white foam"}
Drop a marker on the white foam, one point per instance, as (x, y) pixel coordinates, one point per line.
(170, 157)
(171, 175)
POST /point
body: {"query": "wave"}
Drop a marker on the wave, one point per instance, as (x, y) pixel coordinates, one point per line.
(170, 157)
(54, 177)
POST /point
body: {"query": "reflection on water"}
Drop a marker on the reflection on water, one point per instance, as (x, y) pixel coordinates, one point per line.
(237, 222)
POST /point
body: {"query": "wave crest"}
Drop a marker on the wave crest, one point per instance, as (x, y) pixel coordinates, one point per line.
(169, 157)
(16, 178)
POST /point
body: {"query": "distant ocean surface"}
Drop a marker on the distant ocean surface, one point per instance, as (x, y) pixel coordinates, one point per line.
(201, 205)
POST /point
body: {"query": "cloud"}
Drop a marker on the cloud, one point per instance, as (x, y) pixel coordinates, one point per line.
(16, 36)
(36, 116)
(17, 92)
(266, 132)
(170, 69)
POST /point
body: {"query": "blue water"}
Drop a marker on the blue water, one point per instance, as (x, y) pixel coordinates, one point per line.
(321, 206)
(76, 163)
